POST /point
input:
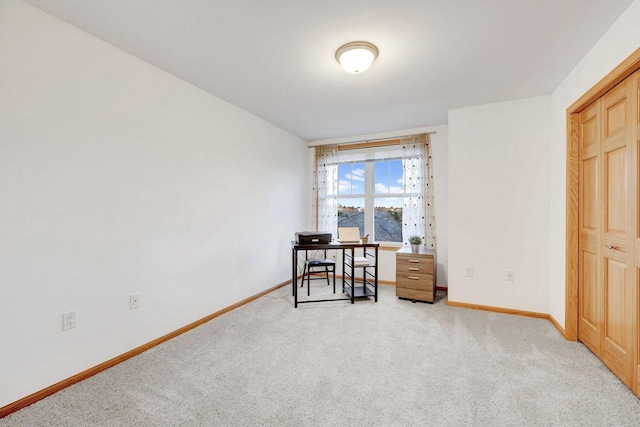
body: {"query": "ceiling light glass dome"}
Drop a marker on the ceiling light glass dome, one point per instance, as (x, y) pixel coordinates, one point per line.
(356, 57)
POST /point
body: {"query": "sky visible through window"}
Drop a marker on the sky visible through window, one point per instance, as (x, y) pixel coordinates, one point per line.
(387, 175)
(388, 180)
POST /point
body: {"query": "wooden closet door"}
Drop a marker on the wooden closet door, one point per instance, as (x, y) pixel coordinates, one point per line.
(590, 307)
(635, 180)
(617, 231)
(608, 276)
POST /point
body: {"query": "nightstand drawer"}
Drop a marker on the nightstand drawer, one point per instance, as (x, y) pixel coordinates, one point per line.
(414, 268)
(414, 280)
(406, 261)
(415, 294)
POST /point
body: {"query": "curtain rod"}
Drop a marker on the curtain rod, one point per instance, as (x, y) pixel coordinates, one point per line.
(378, 142)
(364, 141)
(389, 138)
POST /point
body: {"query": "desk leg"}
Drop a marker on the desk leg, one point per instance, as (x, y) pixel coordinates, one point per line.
(353, 279)
(334, 278)
(343, 271)
(294, 278)
(375, 273)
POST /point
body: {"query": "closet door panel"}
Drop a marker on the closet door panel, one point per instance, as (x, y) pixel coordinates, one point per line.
(615, 112)
(590, 306)
(589, 314)
(589, 202)
(590, 129)
(635, 224)
(616, 192)
(616, 334)
(615, 288)
(615, 117)
(617, 209)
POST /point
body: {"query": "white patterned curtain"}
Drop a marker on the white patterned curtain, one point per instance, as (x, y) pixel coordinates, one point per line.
(326, 189)
(418, 218)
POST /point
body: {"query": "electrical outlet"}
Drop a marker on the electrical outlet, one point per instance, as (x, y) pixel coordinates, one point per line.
(511, 275)
(134, 301)
(68, 320)
(468, 272)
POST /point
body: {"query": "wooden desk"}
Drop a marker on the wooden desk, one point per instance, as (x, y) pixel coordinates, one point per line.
(349, 285)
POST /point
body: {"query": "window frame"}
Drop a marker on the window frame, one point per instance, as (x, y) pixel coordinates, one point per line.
(369, 196)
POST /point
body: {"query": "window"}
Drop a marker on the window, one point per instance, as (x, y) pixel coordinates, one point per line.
(384, 189)
(352, 181)
(388, 200)
(370, 197)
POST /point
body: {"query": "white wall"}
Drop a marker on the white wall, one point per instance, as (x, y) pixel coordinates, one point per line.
(439, 153)
(116, 178)
(620, 41)
(498, 204)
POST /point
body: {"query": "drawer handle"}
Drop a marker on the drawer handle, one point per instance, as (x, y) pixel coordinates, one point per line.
(414, 269)
(413, 278)
(414, 260)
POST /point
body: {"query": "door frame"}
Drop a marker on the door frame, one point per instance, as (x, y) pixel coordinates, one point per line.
(621, 72)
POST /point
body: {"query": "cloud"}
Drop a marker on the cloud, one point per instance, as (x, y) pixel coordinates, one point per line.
(381, 188)
(400, 181)
(356, 175)
(347, 187)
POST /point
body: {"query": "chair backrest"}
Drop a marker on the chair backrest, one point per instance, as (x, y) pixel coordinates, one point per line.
(306, 254)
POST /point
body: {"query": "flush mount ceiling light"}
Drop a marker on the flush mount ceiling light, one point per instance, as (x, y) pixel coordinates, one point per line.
(356, 57)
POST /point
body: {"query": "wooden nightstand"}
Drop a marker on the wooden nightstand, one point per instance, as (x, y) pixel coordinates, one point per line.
(416, 274)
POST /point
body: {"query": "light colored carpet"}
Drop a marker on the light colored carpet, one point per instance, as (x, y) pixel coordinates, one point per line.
(393, 363)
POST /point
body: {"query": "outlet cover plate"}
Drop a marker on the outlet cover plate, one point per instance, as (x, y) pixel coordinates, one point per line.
(134, 301)
(68, 320)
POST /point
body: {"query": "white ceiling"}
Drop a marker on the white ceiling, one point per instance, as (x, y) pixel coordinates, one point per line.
(275, 58)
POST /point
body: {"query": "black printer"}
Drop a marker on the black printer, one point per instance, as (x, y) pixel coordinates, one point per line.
(312, 237)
